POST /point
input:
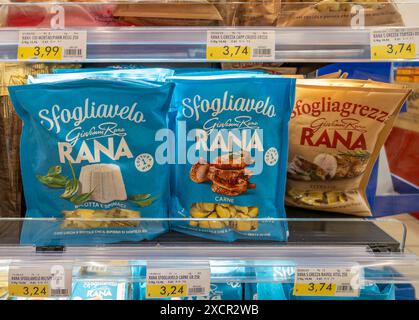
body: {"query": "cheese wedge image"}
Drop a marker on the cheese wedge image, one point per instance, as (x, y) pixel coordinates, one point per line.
(106, 181)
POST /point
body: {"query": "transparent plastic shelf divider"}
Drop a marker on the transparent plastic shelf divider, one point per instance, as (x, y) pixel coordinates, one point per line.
(302, 231)
(188, 44)
(246, 265)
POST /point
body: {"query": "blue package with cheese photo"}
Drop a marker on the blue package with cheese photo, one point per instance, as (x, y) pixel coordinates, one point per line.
(88, 156)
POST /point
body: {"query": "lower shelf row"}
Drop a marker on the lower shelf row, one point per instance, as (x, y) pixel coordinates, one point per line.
(122, 282)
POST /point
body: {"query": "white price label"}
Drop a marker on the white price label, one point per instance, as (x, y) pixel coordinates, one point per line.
(243, 45)
(398, 43)
(170, 282)
(39, 282)
(327, 281)
(52, 45)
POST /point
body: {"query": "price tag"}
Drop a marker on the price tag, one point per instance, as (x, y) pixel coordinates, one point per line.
(171, 283)
(40, 282)
(52, 45)
(241, 45)
(390, 44)
(29, 290)
(167, 290)
(327, 282)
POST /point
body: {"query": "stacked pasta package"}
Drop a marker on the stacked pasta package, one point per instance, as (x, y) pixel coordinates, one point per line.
(331, 13)
(10, 130)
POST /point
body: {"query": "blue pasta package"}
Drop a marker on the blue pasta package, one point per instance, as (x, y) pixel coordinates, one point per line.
(377, 71)
(100, 290)
(232, 142)
(88, 152)
(145, 74)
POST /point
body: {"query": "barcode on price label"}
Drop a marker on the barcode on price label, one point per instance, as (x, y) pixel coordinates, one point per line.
(196, 291)
(52, 45)
(59, 292)
(243, 45)
(73, 52)
(344, 287)
(327, 281)
(262, 52)
(171, 282)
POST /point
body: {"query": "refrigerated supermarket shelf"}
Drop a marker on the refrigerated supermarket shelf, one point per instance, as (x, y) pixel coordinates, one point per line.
(383, 268)
(188, 44)
(313, 243)
(305, 228)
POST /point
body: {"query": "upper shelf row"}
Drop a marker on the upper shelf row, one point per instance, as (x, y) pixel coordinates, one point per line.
(179, 31)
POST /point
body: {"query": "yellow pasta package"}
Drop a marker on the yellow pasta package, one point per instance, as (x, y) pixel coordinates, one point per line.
(337, 129)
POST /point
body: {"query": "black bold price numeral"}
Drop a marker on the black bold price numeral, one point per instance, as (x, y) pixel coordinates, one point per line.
(37, 51)
(163, 290)
(46, 52)
(235, 51)
(34, 291)
(399, 48)
(166, 290)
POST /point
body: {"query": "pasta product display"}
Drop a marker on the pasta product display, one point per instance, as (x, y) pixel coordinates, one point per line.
(258, 13)
(200, 13)
(43, 14)
(3, 15)
(333, 13)
(268, 67)
(337, 129)
(83, 160)
(214, 210)
(235, 154)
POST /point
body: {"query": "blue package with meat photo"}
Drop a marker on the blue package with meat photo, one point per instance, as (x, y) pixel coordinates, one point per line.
(232, 142)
